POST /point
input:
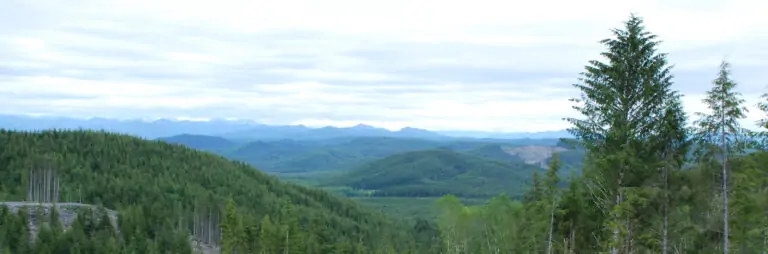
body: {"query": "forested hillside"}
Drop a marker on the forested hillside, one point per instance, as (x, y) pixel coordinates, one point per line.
(165, 192)
(435, 173)
(202, 142)
(310, 156)
(538, 155)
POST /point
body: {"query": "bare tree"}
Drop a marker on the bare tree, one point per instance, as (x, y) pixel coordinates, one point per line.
(206, 226)
(43, 184)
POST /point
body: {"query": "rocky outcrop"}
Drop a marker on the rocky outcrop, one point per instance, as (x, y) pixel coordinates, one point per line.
(534, 155)
(67, 213)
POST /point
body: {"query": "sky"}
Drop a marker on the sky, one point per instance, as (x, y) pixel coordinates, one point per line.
(485, 65)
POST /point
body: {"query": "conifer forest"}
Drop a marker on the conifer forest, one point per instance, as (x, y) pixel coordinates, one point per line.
(653, 180)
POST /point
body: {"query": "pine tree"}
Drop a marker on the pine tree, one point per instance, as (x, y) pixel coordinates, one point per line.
(671, 146)
(552, 192)
(621, 101)
(290, 227)
(721, 123)
(5, 227)
(22, 236)
(45, 242)
(268, 237)
(763, 107)
(759, 139)
(232, 230)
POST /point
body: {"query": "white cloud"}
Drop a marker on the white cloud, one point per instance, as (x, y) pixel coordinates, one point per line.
(449, 64)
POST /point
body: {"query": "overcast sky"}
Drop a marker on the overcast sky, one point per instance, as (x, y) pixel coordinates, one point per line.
(494, 65)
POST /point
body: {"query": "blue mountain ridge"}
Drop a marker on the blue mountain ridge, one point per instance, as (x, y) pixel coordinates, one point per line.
(245, 129)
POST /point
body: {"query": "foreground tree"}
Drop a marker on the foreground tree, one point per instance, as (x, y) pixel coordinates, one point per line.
(621, 102)
(759, 138)
(721, 122)
(553, 180)
(232, 231)
(670, 145)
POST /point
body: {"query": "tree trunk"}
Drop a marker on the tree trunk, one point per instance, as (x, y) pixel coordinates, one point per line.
(287, 232)
(617, 217)
(39, 185)
(209, 228)
(551, 226)
(573, 239)
(665, 231)
(29, 185)
(47, 186)
(615, 249)
(725, 181)
(630, 235)
(765, 242)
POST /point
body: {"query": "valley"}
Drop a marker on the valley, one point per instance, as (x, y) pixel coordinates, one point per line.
(307, 156)
(637, 173)
(387, 172)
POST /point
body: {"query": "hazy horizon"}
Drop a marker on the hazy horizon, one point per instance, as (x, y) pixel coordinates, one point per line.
(487, 65)
(249, 121)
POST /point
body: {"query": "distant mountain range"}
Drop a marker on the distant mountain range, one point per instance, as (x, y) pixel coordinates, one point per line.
(313, 155)
(246, 130)
(507, 135)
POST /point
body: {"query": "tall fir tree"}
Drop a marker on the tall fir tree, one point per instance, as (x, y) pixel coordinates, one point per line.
(553, 180)
(621, 102)
(759, 138)
(719, 132)
(670, 146)
(232, 230)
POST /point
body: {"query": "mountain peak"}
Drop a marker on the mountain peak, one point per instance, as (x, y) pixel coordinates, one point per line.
(411, 129)
(363, 126)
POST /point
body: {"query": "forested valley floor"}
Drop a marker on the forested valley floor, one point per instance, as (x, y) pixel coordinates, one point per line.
(649, 183)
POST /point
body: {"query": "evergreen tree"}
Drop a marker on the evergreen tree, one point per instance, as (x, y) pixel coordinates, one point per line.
(232, 230)
(5, 227)
(21, 241)
(289, 221)
(621, 102)
(759, 139)
(719, 132)
(671, 146)
(552, 192)
(45, 242)
(763, 107)
(269, 239)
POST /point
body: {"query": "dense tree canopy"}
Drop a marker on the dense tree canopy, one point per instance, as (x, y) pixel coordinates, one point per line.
(637, 194)
(161, 190)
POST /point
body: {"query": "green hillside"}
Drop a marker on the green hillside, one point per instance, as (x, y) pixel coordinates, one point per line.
(289, 156)
(571, 159)
(157, 187)
(435, 173)
(202, 142)
(496, 152)
(306, 156)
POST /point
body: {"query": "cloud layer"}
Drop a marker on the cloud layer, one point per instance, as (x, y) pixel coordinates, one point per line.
(462, 65)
